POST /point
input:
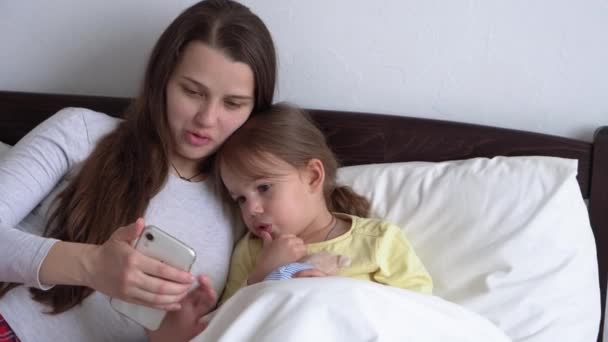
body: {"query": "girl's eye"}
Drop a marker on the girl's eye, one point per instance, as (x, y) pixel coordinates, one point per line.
(240, 200)
(263, 188)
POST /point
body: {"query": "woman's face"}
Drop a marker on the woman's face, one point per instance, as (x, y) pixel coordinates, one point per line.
(208, 96)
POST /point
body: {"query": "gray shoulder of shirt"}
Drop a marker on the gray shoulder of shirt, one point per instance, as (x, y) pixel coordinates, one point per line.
(78, 129)
(97, 124)
(90, 124)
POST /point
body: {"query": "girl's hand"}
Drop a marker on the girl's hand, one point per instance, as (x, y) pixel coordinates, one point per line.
(280, 251)
(118, 270)
(185, 324)
(311, 273)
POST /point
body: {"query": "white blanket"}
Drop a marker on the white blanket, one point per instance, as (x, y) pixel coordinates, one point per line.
(343, 309)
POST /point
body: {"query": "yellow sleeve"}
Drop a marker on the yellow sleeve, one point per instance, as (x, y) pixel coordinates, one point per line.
(241, 265)
(399, 265)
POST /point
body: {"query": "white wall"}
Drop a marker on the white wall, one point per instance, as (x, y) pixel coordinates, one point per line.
(538, 65)
(535, 65)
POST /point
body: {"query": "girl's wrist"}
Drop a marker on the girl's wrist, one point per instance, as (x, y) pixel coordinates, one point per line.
(255, 277)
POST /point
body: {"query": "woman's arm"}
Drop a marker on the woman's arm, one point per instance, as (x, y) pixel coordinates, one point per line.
(35, 168)
(117, 270)
(29, 172)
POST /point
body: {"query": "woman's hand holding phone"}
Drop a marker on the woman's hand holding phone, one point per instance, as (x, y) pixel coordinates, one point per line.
(119, 271)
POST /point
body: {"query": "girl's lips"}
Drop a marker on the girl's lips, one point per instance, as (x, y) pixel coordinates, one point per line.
(264, 228)
(197, 140)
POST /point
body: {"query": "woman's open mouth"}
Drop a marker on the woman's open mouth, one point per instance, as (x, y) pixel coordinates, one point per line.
(197, 140)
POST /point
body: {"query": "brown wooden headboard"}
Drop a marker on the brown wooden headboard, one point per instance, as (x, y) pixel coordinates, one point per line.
(363, 138)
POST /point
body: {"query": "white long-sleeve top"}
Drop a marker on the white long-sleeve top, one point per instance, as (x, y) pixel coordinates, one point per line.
(33, 172)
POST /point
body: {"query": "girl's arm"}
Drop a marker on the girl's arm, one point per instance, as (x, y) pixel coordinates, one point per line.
(399, 265)
(241, 264)
(252, 261)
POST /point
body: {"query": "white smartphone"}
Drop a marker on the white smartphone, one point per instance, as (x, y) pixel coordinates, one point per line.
(159, 245)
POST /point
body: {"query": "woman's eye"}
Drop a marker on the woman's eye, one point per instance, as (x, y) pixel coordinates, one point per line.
(232, 105)
(239, 200)
(189, 91)
(263, 187)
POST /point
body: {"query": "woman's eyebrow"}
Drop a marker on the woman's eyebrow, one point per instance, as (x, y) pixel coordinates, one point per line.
(232, 96)
(192, 80)
(240, 97)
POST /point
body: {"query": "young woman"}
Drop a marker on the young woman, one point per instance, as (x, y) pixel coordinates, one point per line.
(79, 188)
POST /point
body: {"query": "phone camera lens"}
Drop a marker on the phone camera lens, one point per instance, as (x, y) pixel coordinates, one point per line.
(149, 236)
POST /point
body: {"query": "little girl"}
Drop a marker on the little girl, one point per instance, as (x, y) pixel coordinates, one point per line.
(280, 173)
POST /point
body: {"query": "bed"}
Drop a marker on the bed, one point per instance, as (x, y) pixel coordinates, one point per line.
(361, 139)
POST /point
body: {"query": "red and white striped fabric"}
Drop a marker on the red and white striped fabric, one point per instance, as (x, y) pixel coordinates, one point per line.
(6, 333)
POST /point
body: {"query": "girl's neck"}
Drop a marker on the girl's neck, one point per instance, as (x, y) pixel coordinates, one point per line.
(322, 228)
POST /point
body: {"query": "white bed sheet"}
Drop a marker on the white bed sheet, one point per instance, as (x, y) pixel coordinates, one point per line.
(343, 309)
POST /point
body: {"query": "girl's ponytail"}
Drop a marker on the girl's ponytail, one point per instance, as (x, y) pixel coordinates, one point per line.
(343, 199)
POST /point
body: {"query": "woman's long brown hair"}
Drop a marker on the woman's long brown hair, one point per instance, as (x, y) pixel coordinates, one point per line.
(130, 165)
(288, 133)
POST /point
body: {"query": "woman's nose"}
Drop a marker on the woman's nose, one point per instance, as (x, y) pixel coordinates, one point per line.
(207, 114)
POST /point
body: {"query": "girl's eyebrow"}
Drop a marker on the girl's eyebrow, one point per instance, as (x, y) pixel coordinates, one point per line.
(201, 85)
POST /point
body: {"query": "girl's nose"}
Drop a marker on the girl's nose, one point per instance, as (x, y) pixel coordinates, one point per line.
(254, 208)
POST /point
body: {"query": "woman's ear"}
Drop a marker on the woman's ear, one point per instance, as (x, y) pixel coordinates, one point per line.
(315, 174)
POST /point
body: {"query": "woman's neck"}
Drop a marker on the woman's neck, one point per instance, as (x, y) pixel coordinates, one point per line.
(184, 168)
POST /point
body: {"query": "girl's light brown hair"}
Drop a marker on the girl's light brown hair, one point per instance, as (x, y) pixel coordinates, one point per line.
(287, 133)
(130, 165)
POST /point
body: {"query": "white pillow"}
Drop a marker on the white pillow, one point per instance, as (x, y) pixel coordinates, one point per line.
(507, 237)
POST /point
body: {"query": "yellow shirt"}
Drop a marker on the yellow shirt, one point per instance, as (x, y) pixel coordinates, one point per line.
(379, 252)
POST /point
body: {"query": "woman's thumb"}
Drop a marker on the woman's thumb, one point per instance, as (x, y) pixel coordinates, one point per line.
(130, 232)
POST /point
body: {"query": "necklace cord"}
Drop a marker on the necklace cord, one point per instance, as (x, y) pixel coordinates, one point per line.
(333, 221)
(185, 178)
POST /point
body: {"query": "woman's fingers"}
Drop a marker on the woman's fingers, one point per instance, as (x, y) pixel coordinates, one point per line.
(115, 268)
(202, 298)
(129, 233)
(167, 295)
(157, 292)
(158, 269)
(207, 298)
(151, 283)
(154, 299)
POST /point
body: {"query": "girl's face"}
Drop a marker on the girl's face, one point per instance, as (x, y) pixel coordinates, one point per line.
(208, 96)
(281, 202)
